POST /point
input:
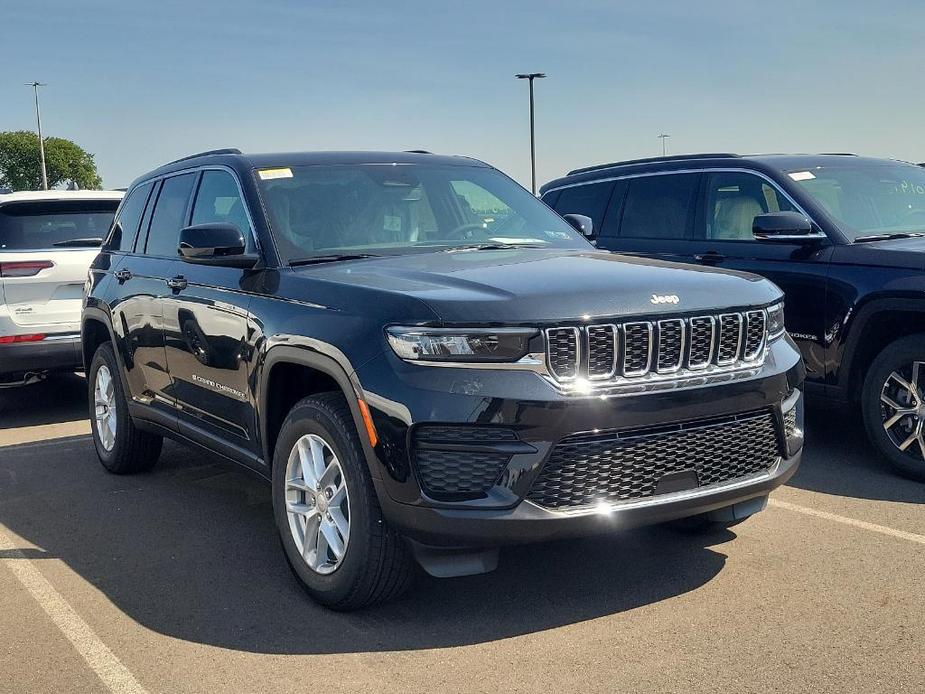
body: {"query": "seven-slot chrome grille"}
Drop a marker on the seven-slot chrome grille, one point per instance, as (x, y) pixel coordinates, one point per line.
(669, 347)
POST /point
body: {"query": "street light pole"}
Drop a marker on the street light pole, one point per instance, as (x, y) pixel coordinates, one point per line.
(664, 138)
(532, 76)
(38, 119)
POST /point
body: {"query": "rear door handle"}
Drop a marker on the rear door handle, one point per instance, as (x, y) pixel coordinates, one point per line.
(177, 283)
(711, 258)
(123, 275)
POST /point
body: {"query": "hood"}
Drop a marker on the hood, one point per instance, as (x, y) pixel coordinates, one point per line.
(898, 253)
(548, 285)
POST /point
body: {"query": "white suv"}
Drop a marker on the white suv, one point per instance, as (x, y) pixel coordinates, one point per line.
(47, 241)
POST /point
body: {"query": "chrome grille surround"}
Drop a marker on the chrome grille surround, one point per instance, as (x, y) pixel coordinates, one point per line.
(670, 354)
(756, 329)
(637, 356)
(563, 352)
(603, 348)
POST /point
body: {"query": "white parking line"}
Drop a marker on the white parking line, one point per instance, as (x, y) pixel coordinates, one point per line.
(114, 675)
(844, 520)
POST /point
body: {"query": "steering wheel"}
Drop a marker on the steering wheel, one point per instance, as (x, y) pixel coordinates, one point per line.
(461, 232)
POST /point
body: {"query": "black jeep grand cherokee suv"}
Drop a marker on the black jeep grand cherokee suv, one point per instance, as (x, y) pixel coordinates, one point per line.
(840, 234)
(427, 362)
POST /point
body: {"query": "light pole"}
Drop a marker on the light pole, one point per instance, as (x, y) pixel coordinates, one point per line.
(664, 138)
(38, 119)
(532, 76)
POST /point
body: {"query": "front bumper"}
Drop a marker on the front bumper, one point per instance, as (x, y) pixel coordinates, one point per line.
(402, 396)
(54, 353)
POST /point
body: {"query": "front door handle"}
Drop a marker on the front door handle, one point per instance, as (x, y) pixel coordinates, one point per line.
(711, 258)
(123, 275)
(177, 283)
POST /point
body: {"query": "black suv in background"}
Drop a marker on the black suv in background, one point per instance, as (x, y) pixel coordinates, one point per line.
(840, 234)
(427, 362)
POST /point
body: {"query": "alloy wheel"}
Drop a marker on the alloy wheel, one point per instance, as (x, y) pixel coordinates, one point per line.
(317, 504)
(902, 409)
(104, 401)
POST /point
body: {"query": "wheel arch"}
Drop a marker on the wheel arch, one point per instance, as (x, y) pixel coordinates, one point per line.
(290, 373)
(877, 324)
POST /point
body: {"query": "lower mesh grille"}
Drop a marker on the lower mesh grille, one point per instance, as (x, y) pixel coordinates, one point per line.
(588, 469)
(458, 472)
(790, 421)
(447, 471)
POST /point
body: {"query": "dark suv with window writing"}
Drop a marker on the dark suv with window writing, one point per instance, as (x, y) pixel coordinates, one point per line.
(841, 235)
(427, 362)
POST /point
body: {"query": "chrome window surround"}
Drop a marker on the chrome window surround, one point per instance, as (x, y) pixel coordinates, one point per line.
(704, 170)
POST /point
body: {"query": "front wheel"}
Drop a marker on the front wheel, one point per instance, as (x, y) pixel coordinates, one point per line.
(332, 531)
(121, 448)
(893, 405)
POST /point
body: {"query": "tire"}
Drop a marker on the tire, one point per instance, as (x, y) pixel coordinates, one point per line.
(897, 359)
(375, 564)
(125, 450)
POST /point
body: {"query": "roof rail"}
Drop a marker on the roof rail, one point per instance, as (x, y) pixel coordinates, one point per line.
(417, 151)
(838, 154)
(227, 150)
(649, 160)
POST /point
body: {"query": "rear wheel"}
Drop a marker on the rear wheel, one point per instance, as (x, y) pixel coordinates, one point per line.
(330, 525)
(893, 405)
(121, 448)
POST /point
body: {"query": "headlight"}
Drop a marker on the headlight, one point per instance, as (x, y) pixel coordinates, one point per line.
(460, 344)
(775, 321)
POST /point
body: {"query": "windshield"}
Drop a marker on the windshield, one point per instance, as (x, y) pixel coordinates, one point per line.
(40, 225)
(390, 209)
(869, 199)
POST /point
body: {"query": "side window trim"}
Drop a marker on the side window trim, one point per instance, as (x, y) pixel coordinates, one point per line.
(141, 239)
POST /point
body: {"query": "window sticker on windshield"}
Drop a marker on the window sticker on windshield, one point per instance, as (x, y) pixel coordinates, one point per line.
(802, 175)
(392, 223)
(270, 174)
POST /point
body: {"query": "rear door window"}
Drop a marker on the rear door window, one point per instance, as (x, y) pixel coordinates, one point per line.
(55, 224)
(126, 226)
(589, 199)
(169, 215)
(659, 207)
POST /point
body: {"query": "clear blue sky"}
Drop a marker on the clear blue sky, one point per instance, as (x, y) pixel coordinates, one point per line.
(139, 84)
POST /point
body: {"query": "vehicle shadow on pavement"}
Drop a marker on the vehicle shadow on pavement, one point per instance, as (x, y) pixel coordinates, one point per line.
(189, 550)
(839, 460)
(59, 398)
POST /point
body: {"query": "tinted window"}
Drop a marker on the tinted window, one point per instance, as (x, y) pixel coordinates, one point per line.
(44, 224)
(125, 228)
(733, 202)
(164, 232)
(219, 200)
(659, 207)
(589, 200)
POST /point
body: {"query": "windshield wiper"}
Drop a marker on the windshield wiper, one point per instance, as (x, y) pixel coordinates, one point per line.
(887, 237)
(317, 259)
(79, 243)
(493, 247)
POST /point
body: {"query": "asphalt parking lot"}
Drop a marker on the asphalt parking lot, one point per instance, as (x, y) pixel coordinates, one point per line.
(173, 581)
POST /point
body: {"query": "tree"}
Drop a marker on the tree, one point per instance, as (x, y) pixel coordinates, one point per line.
(65, 162)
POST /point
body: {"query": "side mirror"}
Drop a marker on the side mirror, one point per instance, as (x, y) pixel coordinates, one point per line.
(791, 227)
(581, 223)
(216, 243)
